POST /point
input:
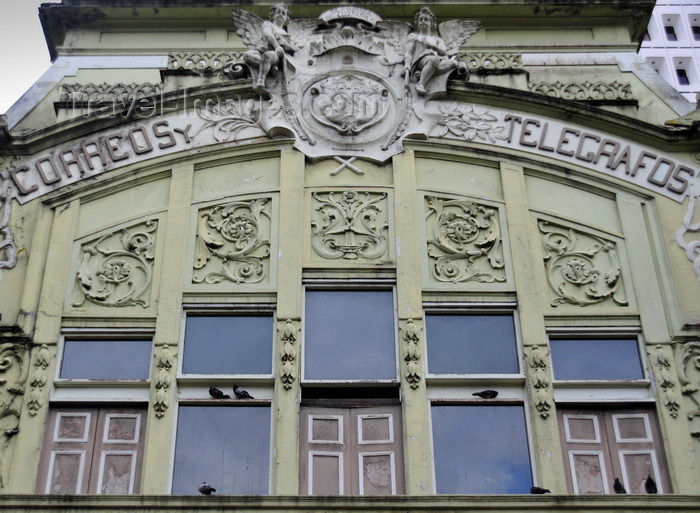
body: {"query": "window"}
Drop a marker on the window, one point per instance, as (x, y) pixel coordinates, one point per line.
(106, 359)
(696, 32)
(96, 450)
(349, 335)
(670, 33)
(480, 449)
(682, 75)
(228, 344)
(471, 344)
(596, 359)
(351, 451)
(601, 445)
(226, 446)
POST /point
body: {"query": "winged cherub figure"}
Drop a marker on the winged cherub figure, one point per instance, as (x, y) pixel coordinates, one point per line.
(268, 41)
(427, 55)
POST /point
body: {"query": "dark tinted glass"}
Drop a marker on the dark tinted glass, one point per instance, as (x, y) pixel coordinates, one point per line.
(228, 345)
(480, 449)
(349, 335)
(106, 359)
(471, 344)
(595, 359)
(228, 447)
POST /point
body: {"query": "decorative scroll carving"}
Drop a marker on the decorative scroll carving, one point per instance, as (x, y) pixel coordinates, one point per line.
(289, 335)
(585, 91)
(13, 376)
(582, 269)
(411, 336)
(688, 367)
(350, 225)
(493, 61)
(8, 250)
(165, 362)
(228, 118)
(236, 235)
(108, 92)
(469, 122)
(691, 248)
(662, 363)
(42, 360)
(201, 62)
(117, 269)
(464, 241)
(539, 375)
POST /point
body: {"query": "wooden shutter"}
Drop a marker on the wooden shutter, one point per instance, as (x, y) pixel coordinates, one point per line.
(351, 451)
(601, 445)
(92, 450)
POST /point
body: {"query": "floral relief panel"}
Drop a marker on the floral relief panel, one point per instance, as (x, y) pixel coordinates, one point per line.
(582, 268)
(233, 243)
(464, 242)
(116, 268)
(350, 225)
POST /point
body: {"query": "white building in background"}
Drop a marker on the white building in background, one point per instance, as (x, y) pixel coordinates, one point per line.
(672, 45)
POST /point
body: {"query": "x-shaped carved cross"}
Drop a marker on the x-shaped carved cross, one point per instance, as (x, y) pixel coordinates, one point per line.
(346, 163)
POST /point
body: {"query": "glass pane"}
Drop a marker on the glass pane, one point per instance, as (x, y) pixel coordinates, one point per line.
(106, 359)
(228, 447)
(480, 449)
(228, 345)
(589, 359)
(471, 344)
(349, 335)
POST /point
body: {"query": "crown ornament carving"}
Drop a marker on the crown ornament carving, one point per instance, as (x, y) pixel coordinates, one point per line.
(349, 83)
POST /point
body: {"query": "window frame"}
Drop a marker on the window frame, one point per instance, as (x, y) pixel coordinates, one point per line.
(101, 390)
(226, 310)
(378, 285)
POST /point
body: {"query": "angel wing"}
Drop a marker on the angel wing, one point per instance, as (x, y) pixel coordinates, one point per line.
(249, 28)
(456, 32)
(394, 34)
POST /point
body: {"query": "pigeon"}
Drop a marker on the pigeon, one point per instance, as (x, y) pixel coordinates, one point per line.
(218, 394)
(536, 490)
(650, 485)
(205, 489)
(240, 393)
(486, 394)
(617, 486)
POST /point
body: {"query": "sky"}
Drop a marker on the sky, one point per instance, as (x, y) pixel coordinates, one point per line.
(23, 53)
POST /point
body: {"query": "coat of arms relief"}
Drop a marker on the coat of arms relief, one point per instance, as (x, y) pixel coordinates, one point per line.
(349, 83)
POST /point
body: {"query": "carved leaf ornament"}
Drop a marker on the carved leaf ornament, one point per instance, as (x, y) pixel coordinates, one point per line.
(464, 241)
(469, 122)
(228, 118)
(232, 235)
(350, 225)
(117, 269)
(582, 269)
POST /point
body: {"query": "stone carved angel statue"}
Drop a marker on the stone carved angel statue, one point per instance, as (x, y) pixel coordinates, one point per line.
(427, 55)
(268, 41)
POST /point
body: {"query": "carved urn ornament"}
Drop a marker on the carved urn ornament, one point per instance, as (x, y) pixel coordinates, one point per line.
(349, 83)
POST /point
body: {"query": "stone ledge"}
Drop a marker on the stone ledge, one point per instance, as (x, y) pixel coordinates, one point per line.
(404, 504)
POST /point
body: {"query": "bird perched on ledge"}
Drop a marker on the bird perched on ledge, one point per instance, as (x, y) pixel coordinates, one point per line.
(486, 394)
(205, 489)
(618, 487)
(536, 490)
(218, 394)
(650, 485)
(240, 393)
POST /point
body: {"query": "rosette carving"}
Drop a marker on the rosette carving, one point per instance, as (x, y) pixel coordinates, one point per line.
(289, 336)
(582, 269)
(117, 268)
(411, 336)
(233, 242)
(350, 225)
(165, 362)
(464, 241)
